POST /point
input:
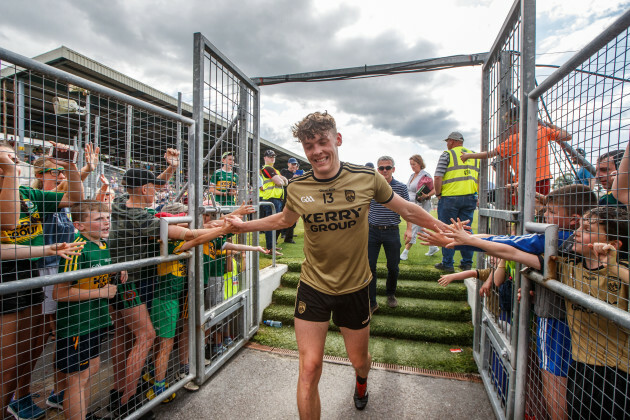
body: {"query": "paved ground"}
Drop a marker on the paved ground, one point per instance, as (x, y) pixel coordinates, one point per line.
(261, 385)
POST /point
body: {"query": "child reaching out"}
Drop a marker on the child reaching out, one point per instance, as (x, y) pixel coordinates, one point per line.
(598, 377)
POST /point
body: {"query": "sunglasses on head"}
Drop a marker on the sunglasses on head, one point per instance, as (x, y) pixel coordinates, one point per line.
(385, 168)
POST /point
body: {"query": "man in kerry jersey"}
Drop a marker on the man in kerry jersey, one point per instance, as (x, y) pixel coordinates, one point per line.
(333, 200)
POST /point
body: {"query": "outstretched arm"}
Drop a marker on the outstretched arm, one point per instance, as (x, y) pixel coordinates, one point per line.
(458, 234)
(9, 192)
(480, 155)
(413, 213)
(277, 221)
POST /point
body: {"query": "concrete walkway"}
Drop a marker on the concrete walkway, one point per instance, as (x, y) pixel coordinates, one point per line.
(261, 385)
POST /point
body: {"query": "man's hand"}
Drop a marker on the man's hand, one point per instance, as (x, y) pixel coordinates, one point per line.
(465, 156)
(172, 157)
(234, 223)
(124, 276)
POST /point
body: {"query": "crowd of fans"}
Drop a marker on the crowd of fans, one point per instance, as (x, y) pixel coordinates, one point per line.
(52, 227)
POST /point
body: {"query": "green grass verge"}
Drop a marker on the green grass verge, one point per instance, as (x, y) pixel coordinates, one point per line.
(407, 307)
(421, 355)
(435, 331)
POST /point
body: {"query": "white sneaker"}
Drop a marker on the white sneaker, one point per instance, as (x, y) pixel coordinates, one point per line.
(404, 255)
(432, 251)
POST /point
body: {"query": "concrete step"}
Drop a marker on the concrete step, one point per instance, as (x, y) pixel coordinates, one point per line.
(419, 289)
(418, 329)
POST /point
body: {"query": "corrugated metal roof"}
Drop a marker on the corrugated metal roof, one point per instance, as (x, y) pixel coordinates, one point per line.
(69, 60)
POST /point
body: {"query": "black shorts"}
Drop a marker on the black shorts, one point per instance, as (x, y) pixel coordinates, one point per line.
(600, 392)
(74, 353)
(19, 270)
(351, 310)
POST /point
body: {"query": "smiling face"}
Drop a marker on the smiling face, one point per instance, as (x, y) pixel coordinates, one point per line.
(322, 153)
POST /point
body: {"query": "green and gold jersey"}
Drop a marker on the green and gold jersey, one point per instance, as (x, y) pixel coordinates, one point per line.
(171, 275)
(82, 317)
(594, 339)
(335, 213)
(34, 205)
(214, 261)
(224, 182)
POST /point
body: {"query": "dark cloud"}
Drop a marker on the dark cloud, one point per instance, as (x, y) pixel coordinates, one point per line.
(153, 42)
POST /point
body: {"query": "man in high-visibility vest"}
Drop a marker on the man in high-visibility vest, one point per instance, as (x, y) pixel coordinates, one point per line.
(456, 186)
(272, 190)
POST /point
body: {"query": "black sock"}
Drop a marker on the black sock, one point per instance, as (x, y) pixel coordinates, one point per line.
(361, 380)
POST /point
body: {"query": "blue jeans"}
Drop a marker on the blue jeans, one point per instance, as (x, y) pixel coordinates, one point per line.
(266, 211)
(462, 206)
(390, 239)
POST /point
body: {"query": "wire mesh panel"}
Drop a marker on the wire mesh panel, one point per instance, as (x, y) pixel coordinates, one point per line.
(501, 157)
(581, 338)
(226, 111)
(93, 315)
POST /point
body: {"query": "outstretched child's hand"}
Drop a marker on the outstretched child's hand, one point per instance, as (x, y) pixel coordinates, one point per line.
(430, 237)
(263, 250)
(448, 278)
(243, 210)
(485, 288)
(606, 253)
(457, 233)
(64, 250)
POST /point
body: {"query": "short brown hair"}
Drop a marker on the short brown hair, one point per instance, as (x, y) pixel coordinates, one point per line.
(418, 159)
(314, 124)
(81, 210)
(614, 219)
(575, 198)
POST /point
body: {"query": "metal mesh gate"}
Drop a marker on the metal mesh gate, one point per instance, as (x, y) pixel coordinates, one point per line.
(555, 170)
(226, 106)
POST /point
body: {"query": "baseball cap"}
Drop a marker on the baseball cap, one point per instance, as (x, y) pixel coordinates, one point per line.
(370, 165)
(455, 135)
(270, 153)
(136, 177)
(226, 154)
(293, 160)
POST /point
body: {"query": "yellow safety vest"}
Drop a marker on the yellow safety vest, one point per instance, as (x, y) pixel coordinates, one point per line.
(460, 178)
(269, 188)
(230, 282)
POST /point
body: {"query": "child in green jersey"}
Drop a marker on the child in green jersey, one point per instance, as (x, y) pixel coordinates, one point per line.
(83, 307)
(165, 310)
(216, 252)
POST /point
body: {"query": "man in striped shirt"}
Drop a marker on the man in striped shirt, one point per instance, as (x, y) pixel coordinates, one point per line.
(384, 231)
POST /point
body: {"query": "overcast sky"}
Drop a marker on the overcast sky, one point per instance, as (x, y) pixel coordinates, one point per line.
(151, 41)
